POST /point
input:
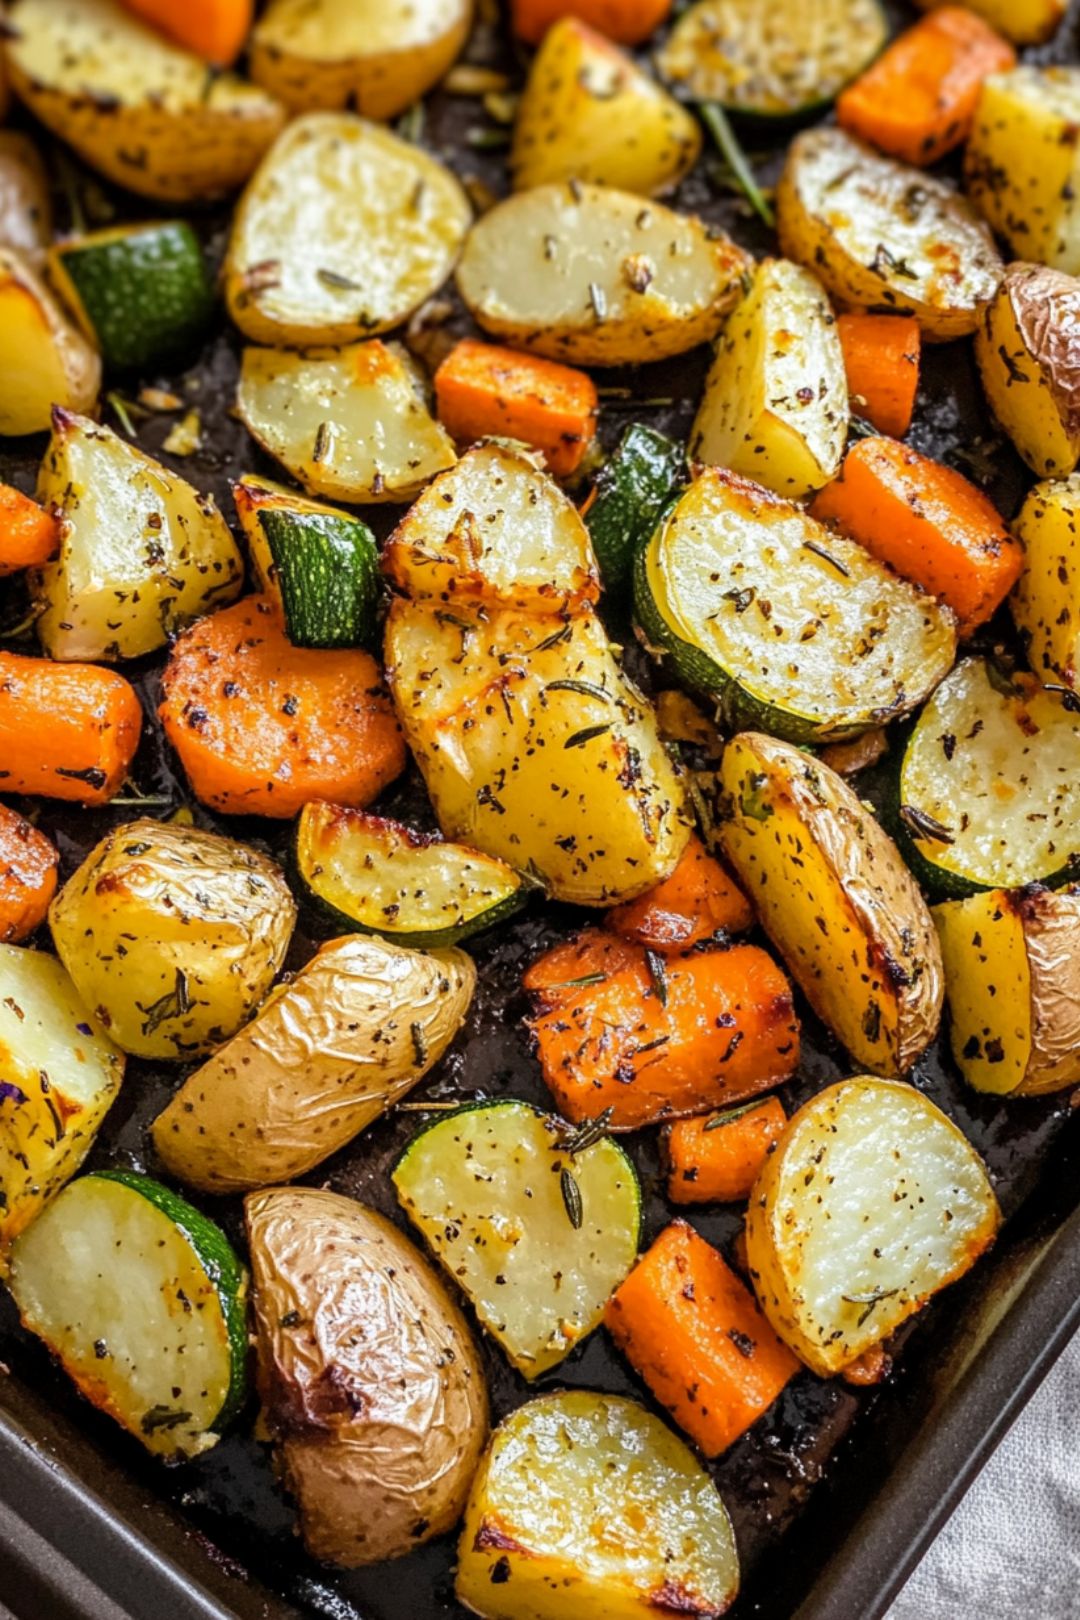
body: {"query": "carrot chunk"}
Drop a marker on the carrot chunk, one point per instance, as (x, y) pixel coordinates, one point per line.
(698, 900)
(926, 521)
(881, 358)
(917, 101)
(654, 1037)
(695, 1334)
(28, 863)
(628, 21)
(484, 390)
(67, 731)
(262, 726)
(717, 1159)
(216, 30)
(28, 534)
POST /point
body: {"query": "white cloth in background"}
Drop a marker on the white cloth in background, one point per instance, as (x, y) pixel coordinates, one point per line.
(1012, 1548)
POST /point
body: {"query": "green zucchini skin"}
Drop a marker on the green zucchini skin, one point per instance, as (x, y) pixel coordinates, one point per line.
(632, 488)
(142, 290)
(328, 575)
(221, 1264)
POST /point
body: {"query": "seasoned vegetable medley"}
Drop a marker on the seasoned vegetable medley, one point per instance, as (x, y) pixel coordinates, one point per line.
(539, 742)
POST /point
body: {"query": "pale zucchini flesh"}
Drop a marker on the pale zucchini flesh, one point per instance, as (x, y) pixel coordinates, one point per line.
(537, 1236)
(586, 1504)
(1044, 602)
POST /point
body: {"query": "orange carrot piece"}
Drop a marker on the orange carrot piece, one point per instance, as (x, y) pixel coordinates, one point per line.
(698, 900)
(216, 30)
(67, 731)
(881, 357)
(655, 1038)
(484, 390)
(262, 726)
(917, 101)
(926, 521)
(869, 1368)
(28, 863)
(28, 534)
(695, 1334)
(630, 22)
(716, 1160)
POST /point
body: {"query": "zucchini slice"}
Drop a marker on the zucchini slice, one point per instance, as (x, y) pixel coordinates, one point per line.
(797, 631)
(772, 58)
(141, 292)
(538, 1225)
(327, 567)
(383, 878)
(988, 794)
(142, 1300)
(631, 490)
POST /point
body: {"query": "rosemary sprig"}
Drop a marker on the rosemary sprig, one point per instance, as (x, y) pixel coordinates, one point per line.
(716, 122)
(588, 1133)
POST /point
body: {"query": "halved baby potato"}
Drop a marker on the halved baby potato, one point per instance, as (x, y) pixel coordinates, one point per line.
(836, 899)
(146, 113)
(587, 1504)
(343, 232)
(1044, 602)
(375, 56)
(25, 208)
(882, 235)
(775, 407)
(44, 359)
(330, 1051)
(871, 1202)
(589, 112)
(141, 551)
(1012, 978)
(1022, 162)
(494, 528)
(1028, 348)
(596, 276)
(351, 424)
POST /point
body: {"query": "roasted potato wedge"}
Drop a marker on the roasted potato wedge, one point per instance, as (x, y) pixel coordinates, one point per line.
(871, 1201)
(343, 232)
(881, 235)
(351, 424)
(588, 112)
(586, 1504)
(494, 528)
(1025, 22)
(146, 113)
(25, 207)
(172, 935)
(368, 1375)
(775, 407)
(1026, 345)
(596, 276)
(1012, 978)
(141, 551)
(346, 1038)
(1044, 601)
(376, 56)
(1022, 162)
(44, 359)
(60, 1075)
(836, 899)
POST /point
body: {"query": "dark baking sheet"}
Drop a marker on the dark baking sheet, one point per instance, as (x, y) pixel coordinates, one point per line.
(797, 1483)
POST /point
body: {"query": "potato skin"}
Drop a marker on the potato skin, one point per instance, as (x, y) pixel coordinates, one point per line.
(45, 361)
(1028, 349)
(1043, 602)
(353, 1032)
(369, 1378)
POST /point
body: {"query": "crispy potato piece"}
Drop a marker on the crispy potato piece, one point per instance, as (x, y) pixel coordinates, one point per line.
(1044, 602)
(1022, 162)
(44, 359)
(25, 206)
(1027, 348)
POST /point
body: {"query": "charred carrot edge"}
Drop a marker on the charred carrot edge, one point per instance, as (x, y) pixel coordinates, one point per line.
(917, 101)
(28, 863)
(483, 390)
(630, 22)
(28, 534)
(67, 731)
(696, 1336)
(698, 900)
(216, 30)
(881, 357)
(642, 1037)
(869, 1368)
(717, 1159)
(262, 726)
(926, 521)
